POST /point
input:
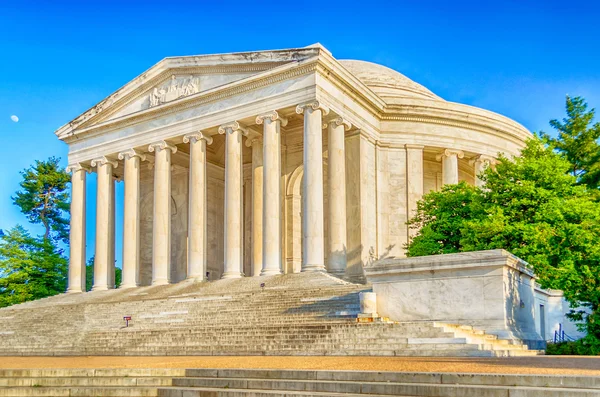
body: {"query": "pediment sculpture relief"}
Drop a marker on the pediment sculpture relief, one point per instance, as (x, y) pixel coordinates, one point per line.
(174, 90)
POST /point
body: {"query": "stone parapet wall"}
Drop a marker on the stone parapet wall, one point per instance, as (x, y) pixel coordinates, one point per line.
(491, 290)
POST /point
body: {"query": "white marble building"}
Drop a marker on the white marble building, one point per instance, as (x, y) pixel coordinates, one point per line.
(266, 162)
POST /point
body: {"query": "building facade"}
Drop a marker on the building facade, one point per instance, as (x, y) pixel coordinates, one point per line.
(269, 162)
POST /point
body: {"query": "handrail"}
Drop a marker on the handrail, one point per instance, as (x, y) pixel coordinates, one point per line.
(561, 336)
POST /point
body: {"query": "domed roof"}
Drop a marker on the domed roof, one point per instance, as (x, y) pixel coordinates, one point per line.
(386, 82)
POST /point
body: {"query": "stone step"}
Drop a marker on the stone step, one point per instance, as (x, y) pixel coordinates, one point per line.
(380, 388)
(216, 392)
(84, 381)
(79, 391)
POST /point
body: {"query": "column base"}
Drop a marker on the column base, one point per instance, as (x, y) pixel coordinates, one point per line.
(270, 272)
(100, 288)
(232, 275)
(337, 273)
(313, 268)
(160, 281)
(125, 286)
(74, 291)
(195, 279)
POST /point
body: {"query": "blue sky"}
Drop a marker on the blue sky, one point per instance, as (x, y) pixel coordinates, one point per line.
(517, 58)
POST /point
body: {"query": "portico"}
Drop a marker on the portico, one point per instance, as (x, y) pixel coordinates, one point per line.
(258, 164)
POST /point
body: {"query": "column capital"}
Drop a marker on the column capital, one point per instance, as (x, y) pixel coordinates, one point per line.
(450, 152)
(273, 116)
(104, 161)
(71, 168)
(251, 141)
(483, 158)
(161, 145)
(197, 136)
(314, 105)
(338, 121)
(231, 127)
(131, 153)
(414, 146)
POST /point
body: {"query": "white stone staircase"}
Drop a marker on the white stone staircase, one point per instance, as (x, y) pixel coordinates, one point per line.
(300, 314)
(286, 383)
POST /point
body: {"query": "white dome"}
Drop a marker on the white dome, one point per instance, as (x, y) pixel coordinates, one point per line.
(386, 82)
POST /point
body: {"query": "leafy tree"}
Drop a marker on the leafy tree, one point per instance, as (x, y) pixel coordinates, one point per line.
(44, 198)
(533, 207)
(89, 275)
(440, 216)
(578, 140)
(30, 268)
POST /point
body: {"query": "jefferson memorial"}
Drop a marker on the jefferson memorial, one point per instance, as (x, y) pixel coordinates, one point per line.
(261, 163)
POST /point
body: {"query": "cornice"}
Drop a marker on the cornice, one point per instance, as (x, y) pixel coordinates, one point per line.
(491, 123)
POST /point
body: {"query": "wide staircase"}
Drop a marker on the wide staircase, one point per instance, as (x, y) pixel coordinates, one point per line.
(286, 383)
(299, 314)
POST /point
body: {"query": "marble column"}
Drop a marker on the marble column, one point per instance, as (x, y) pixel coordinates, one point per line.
(257, 205)
(197, 229)
(77, 229)
(313, 250)
(233, 263)
(131, 218)
(161, 226)
(271, 192)
(414, 181)
(103, 258)
(336, 248)
(449, 158)
(479, 164)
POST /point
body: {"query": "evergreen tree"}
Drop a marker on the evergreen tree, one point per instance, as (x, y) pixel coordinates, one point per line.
(44, 198)
(578, 140)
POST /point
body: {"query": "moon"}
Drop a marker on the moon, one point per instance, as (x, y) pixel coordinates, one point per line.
(14, 118)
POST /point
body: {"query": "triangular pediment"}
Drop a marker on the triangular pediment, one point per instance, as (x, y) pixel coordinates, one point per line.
(176, 78)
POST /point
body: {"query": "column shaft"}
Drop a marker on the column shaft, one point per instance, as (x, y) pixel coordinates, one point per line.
(450, 165)
(233, 263)
(313, 250)
(103, 257)
(77, 230)
(161, 227)
(271, 193)
(131, 219)
(480, 163)
(414, 180)
(336, 258)
(257, 206)
(197, 230)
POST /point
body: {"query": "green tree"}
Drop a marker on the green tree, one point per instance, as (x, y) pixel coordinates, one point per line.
(440, 216)
(44, 198)
(578, 141)
(89, 275)
(533, 207)
(30, 268)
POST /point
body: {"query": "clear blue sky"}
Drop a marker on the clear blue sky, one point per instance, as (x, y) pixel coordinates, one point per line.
(58, 58)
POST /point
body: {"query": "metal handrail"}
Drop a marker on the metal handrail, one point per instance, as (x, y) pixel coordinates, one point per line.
(561, 336)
